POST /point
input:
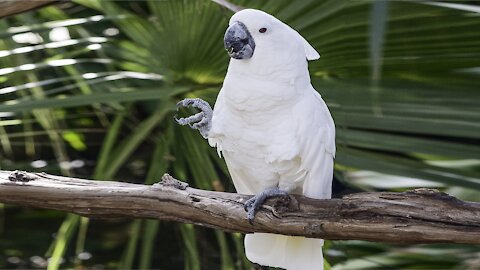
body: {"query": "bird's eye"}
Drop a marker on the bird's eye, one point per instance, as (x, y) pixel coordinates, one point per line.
(262, 30)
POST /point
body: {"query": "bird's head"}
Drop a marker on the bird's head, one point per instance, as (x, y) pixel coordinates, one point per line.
(256, 34)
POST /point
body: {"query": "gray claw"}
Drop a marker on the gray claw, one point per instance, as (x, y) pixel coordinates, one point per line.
(186, 102)
(202, 120)
(252, 205)
(191, 119)
(251, 216)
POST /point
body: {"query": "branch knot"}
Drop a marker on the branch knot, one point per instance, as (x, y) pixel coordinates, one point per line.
(169, 181)
(21, 176)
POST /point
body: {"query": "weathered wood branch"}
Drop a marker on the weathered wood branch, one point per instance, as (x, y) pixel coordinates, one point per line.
(12, 7)
(418, 216)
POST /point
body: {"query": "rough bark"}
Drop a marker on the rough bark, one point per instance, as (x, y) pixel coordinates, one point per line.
(12, 7)
(418, 216)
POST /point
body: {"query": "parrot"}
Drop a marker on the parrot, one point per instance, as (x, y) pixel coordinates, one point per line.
(272, 128)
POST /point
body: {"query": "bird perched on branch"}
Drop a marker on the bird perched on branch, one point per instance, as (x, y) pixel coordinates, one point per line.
(273, 129)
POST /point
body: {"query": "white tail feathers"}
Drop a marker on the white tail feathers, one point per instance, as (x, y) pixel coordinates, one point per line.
(289, 252)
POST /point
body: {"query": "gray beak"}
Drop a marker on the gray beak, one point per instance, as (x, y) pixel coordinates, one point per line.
(238, 41)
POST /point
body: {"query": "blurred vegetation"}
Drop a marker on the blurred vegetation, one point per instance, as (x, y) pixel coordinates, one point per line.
(88, 89)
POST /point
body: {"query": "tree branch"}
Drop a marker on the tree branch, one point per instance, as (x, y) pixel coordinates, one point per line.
(12, 7)
(418, 216)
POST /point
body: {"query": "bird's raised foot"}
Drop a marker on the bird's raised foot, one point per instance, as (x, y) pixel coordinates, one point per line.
(202, 120)
(253, 204)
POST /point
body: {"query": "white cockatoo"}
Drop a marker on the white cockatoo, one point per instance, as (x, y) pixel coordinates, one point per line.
(273, 129)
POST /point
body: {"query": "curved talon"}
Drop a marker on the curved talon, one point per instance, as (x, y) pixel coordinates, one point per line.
(194, 102)
(249, 203)
(201, 123)
(189, 120)
(252, 205)
(202, 120)
(186, 102)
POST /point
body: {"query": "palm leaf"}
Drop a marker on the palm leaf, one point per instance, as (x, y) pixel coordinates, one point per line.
(422, 106)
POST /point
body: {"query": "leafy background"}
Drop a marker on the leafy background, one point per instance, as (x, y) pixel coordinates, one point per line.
(88, 89)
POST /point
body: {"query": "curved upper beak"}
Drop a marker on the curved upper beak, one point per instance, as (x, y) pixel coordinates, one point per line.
(238, 41)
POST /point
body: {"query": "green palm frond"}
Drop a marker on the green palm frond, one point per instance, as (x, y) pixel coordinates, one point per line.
(401, 82)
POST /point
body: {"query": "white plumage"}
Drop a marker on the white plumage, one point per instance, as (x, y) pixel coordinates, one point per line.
(274, 130)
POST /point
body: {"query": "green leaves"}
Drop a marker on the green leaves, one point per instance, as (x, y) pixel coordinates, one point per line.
(125, 64)
(182, 36)
(82, 100)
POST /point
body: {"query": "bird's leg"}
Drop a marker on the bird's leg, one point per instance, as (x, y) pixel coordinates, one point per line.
(202, 120)
(253, 204)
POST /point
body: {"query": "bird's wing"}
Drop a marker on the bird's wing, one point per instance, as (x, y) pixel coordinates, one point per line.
(316, 140)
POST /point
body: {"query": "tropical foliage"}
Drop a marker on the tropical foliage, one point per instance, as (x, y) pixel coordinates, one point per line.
(89, 89)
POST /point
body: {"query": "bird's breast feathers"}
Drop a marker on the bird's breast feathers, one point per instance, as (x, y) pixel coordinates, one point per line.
(255, 113)
(265, 116)
(271, 138)
(262, 94)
